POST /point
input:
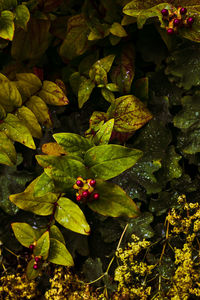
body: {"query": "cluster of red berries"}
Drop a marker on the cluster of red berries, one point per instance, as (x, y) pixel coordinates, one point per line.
(176, 19)
(86, 190)
(37, 262)
(36, 258)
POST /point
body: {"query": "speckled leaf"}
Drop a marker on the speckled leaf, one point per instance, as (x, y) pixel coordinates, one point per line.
(123, 73)
(118, 30)
(33, 42)
(10, 97)
(103, 135)
(42, 246)
(28, 84)
(42, 206)
(130, 114)
(16, 131)
(55, 233)
(113, 201)
(7, 148)
(24, 233)
(22, 16)
(104, 63)
(73, 143)
(69, 215)
(58, 254)
(28, 119)
(7, 25)
(183, 66)
(85, 89)
(99, 159)
(52, 94)
(40, 110)
(31, 273)
(76, 41)
(145, 10)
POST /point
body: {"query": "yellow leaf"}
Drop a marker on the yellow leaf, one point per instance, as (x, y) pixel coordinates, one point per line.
(40, 110)
(16, 131)
(9, 96)
(118, 30)
(27, 117)
(28, 84)
(53, 149)
(7, 147)
(52, 94)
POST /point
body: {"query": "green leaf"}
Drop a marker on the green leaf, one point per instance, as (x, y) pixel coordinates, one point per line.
(76, 41)
(183, 66)
(56, 234)
(28, 119)
(24, 233)
(31, 273)
(42, 246)
(188, 121)
(108, 95)
(40, 110)
(7, 25)
(108, 161)
(118, 30)
(32, 43)
(171, 167)
(2, 112)
(69, 215)
(85, 89)
(193, 33)
(43, 185)
(9, 96)
(28, 84)
(7, 150)
(129, 113)
(123, 73)
(12, 181)
(58, 254)
(113, 201)
(52, 94)
(73, 143)
(42, 206)
(16, 131)
(101, 65)
(103, 135)
(145, 10)
(22, 16)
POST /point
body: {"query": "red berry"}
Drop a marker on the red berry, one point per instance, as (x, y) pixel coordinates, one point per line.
(164, 12)
(177, 22)
(96, 196)
(183, 11)
(79, 183)
(35, 266)
(78, 198)
(31, 247)
(85, 194)
(170, 31)
(190, 20)
(37, 259)
(92, 182)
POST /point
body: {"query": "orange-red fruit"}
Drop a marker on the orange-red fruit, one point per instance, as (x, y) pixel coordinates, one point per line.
(78, 198)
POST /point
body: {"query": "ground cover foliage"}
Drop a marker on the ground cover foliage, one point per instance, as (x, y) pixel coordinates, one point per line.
(99, 149)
